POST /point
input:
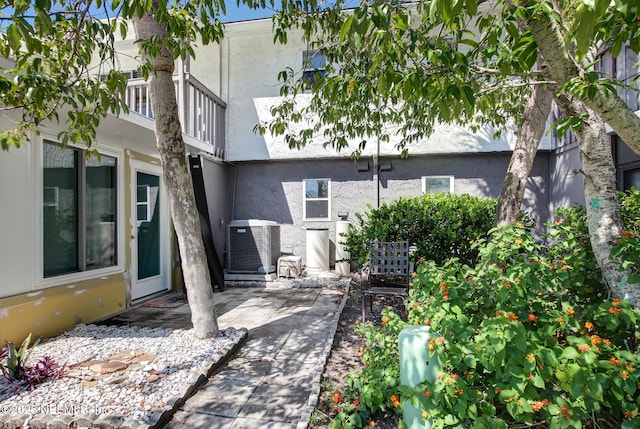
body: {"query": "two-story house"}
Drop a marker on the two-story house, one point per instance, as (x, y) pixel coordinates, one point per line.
(85, 238)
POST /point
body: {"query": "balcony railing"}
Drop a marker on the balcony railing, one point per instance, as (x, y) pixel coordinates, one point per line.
(202, 113)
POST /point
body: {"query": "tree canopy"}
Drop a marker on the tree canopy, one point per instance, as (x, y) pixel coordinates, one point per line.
(398, 67)
(59, 59)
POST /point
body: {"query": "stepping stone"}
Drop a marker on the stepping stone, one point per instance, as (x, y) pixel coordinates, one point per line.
(108, 367)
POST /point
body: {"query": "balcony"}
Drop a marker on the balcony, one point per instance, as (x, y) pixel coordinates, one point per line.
(202, 113)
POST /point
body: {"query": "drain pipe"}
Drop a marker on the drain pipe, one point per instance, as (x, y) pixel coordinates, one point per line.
(376, 171)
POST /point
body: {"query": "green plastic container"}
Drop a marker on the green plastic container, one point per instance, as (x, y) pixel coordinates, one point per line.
(416, 366)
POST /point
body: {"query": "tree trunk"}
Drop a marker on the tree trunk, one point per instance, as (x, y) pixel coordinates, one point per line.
(177, 180)
(531, 130)
(603, 209)
(562, 67)
(602, 205)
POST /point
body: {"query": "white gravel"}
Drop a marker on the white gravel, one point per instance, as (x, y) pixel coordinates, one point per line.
(143, 391)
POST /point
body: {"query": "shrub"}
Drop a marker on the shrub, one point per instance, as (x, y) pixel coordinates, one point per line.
(439, 225)
(13, 366)
(630, 210)
(520, 343)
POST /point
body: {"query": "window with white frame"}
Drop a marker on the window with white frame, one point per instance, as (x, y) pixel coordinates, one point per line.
(317, 199)
(314, 64)
(79, 210)
(437, 184)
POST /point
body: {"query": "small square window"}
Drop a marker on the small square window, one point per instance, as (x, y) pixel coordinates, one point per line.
(437, 184)
(317, 198)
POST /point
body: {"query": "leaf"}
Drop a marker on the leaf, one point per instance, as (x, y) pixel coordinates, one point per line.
(538, 382)
(472, 7)
(13, 36)
(346, 27)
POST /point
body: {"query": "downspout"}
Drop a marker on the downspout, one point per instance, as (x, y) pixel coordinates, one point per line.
(376, 170)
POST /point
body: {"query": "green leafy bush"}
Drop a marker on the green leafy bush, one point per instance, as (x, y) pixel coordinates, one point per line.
(439, 225)
(523, 341)
(13, 366)
(630, 210)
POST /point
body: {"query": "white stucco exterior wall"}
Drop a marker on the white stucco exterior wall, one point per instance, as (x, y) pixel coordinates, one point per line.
(16, 218)
(251, 89)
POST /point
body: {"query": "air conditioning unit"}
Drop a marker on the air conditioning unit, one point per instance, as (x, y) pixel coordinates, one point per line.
(253, 246)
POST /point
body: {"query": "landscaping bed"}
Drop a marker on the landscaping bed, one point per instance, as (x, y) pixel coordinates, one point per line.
(346, 356)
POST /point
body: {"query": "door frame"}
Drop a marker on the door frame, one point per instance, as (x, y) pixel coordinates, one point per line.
(162, 282)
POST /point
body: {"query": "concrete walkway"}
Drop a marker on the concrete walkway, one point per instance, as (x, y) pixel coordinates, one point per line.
(273, 381)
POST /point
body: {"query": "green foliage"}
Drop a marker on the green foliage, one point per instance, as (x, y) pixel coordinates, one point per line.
(19, 374)
(630, 210)
(14, 366)
(393, 68)
(439, 225)
(61, 54)
(405, 67)
(519, 343)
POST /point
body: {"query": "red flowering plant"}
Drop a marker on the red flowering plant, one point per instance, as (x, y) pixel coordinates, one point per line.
(527, 336)
(523, 344)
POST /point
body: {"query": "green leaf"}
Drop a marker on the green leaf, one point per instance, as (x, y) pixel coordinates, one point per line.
(346, 27)
(569, 353)
(13, 36)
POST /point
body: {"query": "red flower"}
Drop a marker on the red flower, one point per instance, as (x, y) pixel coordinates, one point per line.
(533, 317)
(336, 397)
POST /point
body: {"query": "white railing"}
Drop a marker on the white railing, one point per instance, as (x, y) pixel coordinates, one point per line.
(201, 111)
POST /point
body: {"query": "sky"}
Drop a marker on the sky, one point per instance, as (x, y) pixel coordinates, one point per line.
(243, 13)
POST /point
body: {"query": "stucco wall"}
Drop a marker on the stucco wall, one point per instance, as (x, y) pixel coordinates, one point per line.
(251, 63)
(566, 183)
(30, 302)
(273, 190)
(16, 221)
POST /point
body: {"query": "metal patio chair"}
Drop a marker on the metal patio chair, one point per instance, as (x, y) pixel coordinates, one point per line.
(389, 271)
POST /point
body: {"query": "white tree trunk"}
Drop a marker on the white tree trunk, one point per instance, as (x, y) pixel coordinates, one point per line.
(177, 180)
(531, 130)
(562, 67)
(602, 205)
(603, 208)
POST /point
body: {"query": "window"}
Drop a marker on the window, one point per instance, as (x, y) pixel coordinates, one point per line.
(317, 193)
(78, 211)
(143, 204)
(437, 184)
(313, 66)
(631, 178)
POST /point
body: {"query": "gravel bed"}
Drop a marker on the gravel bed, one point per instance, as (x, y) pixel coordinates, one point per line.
(116, 376)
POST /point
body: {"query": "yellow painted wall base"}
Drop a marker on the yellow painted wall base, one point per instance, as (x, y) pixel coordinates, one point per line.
(51, 311)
